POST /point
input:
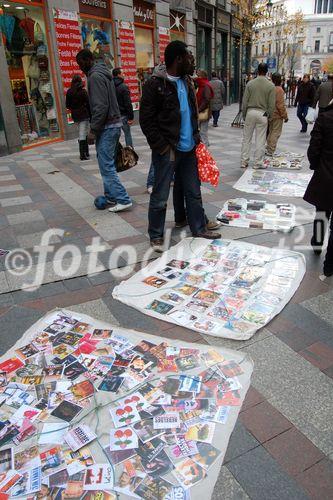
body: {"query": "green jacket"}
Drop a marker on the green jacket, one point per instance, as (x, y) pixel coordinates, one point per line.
(259, 93)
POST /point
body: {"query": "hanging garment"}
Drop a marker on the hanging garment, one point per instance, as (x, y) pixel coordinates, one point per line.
(18, 39)
(7, 24)
(102, 37)
(28, 26)
(38, 33)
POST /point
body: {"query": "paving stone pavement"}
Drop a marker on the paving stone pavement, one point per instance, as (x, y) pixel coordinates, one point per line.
(282, 445)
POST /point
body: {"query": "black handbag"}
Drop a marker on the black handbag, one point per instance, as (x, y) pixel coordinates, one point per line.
(126, 158)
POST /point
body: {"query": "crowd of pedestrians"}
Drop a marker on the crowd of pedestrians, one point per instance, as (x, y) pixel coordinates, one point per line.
(175, 110)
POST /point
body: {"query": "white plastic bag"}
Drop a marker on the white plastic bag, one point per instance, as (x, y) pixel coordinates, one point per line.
(312, 115)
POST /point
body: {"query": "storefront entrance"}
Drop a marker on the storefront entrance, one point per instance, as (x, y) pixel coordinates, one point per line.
(28, 57)
(234, 69)
(222, 54)
(204, 40)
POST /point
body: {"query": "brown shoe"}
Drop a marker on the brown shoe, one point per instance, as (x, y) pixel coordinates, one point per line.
(181, 224)
(212, 225)
(157, 245)
(208, 235)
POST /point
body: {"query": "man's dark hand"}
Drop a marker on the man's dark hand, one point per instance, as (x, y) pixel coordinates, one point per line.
(91, 138)
(165, 150)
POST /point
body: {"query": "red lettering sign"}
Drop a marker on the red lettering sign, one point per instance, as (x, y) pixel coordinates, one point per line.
(128, 59)
(163, 41)
(69, 43)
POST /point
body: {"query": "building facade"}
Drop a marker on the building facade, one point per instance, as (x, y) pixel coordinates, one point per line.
(318, 44)
(39, 40)
(312, 46)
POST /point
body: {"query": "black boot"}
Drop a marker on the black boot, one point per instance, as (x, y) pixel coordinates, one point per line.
(82, 150)
(86, 145)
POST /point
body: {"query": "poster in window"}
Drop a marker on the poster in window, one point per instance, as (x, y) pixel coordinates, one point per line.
(163, 41)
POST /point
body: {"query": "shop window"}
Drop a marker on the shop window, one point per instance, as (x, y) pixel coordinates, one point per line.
(144, 53)
(97, 37)
(28, 59)
(177, 26)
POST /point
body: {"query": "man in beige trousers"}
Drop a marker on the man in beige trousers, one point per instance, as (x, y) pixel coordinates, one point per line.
(258, 107)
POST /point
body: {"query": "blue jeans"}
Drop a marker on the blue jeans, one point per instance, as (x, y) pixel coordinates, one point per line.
(216, 116)
(186, 173)
(127, 132)
(106, 145)
(151, 175)
(302, 111)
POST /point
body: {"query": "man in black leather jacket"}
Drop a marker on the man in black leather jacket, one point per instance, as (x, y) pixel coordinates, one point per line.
(169, 120)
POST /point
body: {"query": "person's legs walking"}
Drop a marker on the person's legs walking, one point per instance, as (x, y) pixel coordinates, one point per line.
(328, 262)
(127, 132)
(203, 127)
(275, 130)
(261, 131)
(247, 137)
(302, 111)
(106, 145)
(164, 169)
(216, 115)
(83, 127)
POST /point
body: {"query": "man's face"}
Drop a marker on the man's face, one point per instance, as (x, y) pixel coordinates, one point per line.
(305, 79)
(184, 65)
(85, 65)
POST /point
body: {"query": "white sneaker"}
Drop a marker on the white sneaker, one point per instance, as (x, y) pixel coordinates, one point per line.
(120, 208)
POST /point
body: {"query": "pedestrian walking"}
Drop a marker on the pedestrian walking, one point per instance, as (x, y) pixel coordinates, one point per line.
(258, 106)
(304, 99)
(77, 101)
(125, 104)
(324, 94)
(205, 95)
(217, 100)
(279, 116)
(320, 188)
(105, 126)
(169, 120)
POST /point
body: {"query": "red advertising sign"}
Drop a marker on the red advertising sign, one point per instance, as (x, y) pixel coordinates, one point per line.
(163, 41)
(68, 36)
(128, 59)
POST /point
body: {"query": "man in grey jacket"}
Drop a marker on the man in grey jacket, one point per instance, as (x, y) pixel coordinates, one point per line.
(258, 107)
(324, 94)
(105, 127)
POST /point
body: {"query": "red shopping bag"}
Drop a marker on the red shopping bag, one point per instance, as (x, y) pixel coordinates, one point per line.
(207, 168)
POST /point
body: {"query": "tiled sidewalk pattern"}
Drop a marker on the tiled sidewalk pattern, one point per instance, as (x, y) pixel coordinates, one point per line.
(282, 445)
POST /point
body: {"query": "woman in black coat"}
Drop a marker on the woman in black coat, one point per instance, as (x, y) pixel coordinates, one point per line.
(320, 189)
(77, 101)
